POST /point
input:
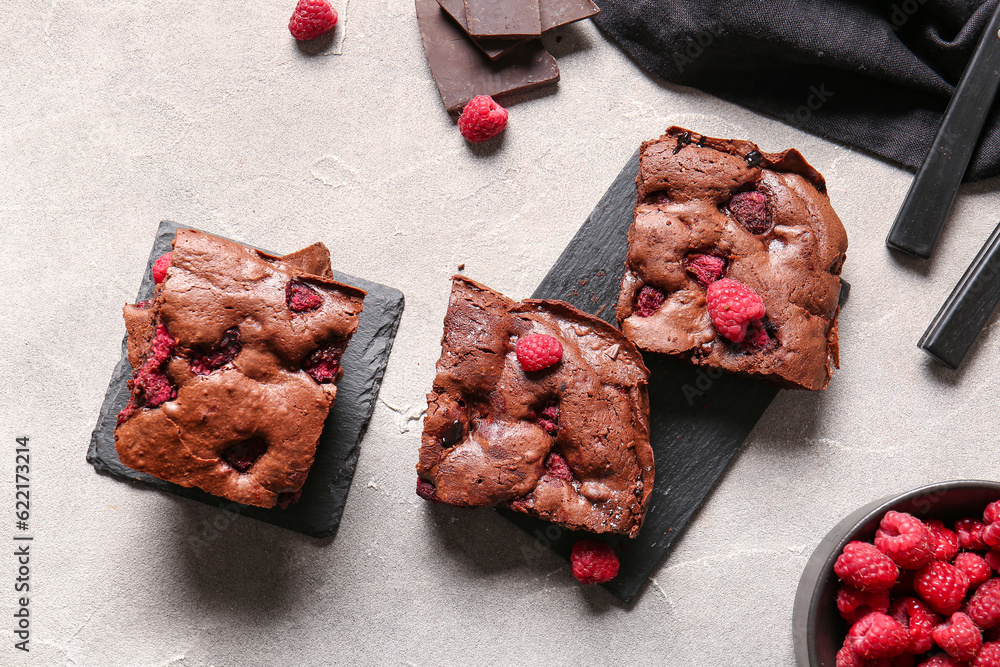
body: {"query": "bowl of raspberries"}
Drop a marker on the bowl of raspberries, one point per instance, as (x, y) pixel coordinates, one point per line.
(907, 581)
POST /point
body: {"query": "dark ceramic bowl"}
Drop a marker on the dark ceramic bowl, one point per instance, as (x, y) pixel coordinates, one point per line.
(817, 627)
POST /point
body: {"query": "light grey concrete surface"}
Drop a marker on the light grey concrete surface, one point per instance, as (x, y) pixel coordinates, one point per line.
(116, 114)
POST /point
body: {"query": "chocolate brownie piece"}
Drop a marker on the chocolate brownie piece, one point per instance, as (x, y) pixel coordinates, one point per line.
(569, 444)
(709, 209)
(236, 358)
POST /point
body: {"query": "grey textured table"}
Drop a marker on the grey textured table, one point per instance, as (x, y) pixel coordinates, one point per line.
(118, 115)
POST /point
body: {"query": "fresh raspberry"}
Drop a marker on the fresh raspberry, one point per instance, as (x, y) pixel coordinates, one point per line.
(538, 351)
(941, 661)
(593, 562)
(301, 297)
(944, 542)
(323, 363)
(557, 467)
(855, 605)
(203, 363)
(919, 621)
(160, 267)
(846, 657)
(865, 567)
(988, 656)
(706, 268)
(975, 567)
(970, 534)
(482, 119)
(426, 490)
(732, 306)
(992, 512)
(878, 636)
(991, 534)
(549, 420)
(904, 538)
(311, 19)
(750, 210)
(649, 301)
(243, 455)
(942, 586)
(984, 605)
(959, 637)
(992, 559)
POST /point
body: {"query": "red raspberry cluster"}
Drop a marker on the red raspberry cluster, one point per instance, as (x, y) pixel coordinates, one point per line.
(922, 595)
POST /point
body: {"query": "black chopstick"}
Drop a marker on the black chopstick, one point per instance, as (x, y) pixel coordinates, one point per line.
(921, 218)
(971, 303)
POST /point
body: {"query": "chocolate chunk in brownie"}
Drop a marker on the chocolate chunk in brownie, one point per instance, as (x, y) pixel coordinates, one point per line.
(569, 443)
(223, 397)
(710, 209)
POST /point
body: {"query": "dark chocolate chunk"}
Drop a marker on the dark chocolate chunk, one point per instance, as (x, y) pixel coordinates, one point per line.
(503, 18)
(494, 48)
(462, 71)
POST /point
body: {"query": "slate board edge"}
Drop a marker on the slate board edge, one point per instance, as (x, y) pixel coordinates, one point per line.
(116, 469)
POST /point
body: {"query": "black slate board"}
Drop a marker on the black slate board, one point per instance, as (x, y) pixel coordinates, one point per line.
(698, 418)
(325, 492)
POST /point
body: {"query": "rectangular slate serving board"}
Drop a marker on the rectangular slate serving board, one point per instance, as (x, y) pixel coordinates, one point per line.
(699, 418)
(324, 494)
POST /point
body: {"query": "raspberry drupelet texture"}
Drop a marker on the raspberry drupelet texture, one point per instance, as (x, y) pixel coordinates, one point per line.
(878, 635)
(855, 605)
(705, 268)
(311, 19)
(593, 562)
(984, 605)
(942, 586)
(959, 637)
(537, 352)
(988, 656)
(732, 305)
(944, 541)
(866, 568)
(918, 619)
(970, 534)
(975, 567)
(750, 210)
(482, 119)
(904, 538)
(649, 301)
(160, 267)
(301, 298)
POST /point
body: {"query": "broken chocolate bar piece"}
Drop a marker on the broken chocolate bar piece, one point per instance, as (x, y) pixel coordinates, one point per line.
(494, 48)
(503, 18)
(462, 72)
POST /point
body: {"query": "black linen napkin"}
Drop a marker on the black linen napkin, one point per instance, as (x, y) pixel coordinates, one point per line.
(873, 74)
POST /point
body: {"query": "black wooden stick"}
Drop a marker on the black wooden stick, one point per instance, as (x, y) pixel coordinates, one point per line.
(921, 217)
(971, 303)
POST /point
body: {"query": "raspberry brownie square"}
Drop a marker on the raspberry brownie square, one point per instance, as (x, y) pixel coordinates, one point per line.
(734, 260)
(539, 407)
(236, 359)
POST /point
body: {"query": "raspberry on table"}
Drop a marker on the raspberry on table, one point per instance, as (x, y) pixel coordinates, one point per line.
(944, 541)
(959, 637)
(970, 534)
(750, 210)
(919, 621)
(984, 605)
(705, 268)
(732, 305)
(649, 301)
(593, 562)
(482, 119)
(160, 267)
(866, 568)
(904, 538)
(975, 567)
(537, 352)
(942, 586)
(855, 605)
(878, 635)
(311, 19)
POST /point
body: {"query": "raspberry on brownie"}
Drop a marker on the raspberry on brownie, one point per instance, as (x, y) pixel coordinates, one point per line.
(236, 358)
(713, 210)
(565, 439)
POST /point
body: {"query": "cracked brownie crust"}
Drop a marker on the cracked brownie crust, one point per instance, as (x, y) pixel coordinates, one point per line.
(236, 358)
(714, 208)
(569, 444)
